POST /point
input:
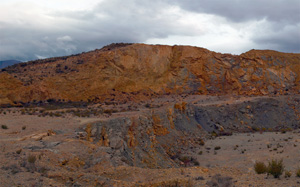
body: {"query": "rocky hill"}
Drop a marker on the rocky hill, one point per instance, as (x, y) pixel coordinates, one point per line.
(124, 72)
(149, 115)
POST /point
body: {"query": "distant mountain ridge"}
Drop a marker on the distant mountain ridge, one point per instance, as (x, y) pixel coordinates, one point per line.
(6, 63)
(135, 72)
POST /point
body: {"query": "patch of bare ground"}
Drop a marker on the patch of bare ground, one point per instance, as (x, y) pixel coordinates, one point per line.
(49, 151)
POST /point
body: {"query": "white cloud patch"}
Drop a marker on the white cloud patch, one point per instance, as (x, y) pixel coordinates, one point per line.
(64, 39)
(40, 57)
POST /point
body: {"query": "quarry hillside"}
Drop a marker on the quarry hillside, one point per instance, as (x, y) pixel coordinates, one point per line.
(133, 72)
(150, 115)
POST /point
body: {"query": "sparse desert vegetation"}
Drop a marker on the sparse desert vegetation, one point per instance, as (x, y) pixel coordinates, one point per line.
(276, 167)
(43, 150)
(260, 168)
(218, 180)
(287, 174)
(196, 118)
(298, 172)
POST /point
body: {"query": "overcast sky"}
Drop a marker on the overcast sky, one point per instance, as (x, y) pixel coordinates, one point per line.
(32, 29)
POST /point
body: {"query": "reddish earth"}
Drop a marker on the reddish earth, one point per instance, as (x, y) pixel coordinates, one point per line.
(135, 72)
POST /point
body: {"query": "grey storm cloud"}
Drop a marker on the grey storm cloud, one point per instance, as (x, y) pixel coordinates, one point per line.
(77, 31)
(241, 10)
(286, 39)
(65, 32)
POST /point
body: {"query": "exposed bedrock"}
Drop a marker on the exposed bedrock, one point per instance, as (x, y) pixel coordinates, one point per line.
(158, 138)
(137, 72)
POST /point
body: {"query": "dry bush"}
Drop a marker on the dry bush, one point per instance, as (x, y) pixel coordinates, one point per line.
(275, 168)
(218, 180)
(31, 159)
(260, 167)
(287, 174)
(29, 163)
(298, 172)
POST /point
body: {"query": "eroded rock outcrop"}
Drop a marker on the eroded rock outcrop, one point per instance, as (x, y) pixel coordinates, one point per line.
(134, 72)
(164, 137)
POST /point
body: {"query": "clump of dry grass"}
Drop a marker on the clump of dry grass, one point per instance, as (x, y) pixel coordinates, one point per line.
(31, 159)
(276, 167)
(260, 167)
(287, 174)
(298, 172)
(218, 180)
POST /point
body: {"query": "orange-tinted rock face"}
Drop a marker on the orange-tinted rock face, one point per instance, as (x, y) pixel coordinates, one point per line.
(139, 71)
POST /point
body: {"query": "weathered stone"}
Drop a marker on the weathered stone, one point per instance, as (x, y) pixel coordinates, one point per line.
(138, 71)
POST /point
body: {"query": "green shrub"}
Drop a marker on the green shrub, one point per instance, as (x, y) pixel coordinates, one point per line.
(24, 127)
(217, 147)
(275, 168)
(4, 127)
(260, 167)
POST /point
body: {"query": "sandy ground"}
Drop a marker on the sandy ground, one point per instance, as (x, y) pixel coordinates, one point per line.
(61, 157)
(248, 148)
